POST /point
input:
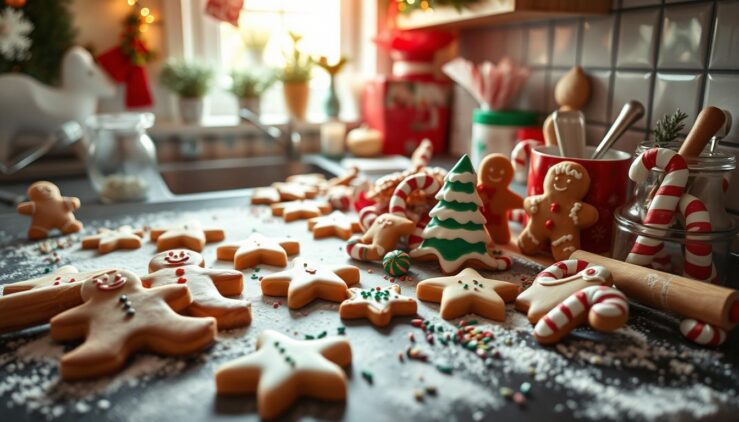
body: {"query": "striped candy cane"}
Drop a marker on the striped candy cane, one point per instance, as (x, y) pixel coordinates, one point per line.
(422, 155)
(415, 238)
(698, 253)
(368, 214)
(416, 182)
(661, 211)
(520, 154)
(562, 271)
(605, 308)
(702, 333)
(518, 215)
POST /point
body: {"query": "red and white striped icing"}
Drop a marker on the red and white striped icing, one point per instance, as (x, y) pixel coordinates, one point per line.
(416, 182)
(368, 214)
(698, 253)
(415, 238)
(607, 303)
(518, 215)
(661, 211)
(702, 333)
(564, 271)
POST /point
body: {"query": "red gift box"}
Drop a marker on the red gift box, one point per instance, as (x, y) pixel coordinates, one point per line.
(407, 112)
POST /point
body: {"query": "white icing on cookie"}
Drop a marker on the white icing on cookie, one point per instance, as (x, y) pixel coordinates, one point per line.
(567, 170)
(576, 207)
(463, 217)
(535, 201)
(461, 177)
(469, 236)
(532, 238)
(450, 195)
(564, 239)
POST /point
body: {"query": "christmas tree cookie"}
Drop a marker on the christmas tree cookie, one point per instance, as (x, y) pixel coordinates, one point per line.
(456, 234)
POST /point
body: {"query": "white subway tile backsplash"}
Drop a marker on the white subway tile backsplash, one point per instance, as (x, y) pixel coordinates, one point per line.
(722, 90)
(684, 36)
(630, 140)
(532, 95)
(597, 41)
(637, 38)
(564, 49)
(538, 45)
(725, 51)
(593, 134)
(673, 91)
(596, 110)
(631, 86)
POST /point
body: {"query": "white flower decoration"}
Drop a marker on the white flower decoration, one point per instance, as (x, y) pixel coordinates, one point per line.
(14, 30)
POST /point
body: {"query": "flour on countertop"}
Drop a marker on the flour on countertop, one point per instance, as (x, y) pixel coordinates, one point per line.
(586, 372)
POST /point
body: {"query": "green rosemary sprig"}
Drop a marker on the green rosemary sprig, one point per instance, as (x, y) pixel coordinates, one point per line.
(669, 127)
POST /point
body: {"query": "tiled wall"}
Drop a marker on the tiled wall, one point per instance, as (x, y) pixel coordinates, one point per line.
(666, 54)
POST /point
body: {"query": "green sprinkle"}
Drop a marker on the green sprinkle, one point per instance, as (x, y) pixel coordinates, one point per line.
(367, 375)
(257, 269)
(446, 369)
(47, 270)
(322, 334)
(341, 330)
(471, 322)
(309, 337)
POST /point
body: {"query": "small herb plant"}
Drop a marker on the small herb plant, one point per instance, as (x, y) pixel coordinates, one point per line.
(187, 79)
(298, 65)
(669, 127)
(251, 83)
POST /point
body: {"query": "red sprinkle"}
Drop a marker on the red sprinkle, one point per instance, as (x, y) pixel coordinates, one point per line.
(181, 280)
(180, 271)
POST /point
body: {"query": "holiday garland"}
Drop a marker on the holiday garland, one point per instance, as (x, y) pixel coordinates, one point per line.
(52, 35)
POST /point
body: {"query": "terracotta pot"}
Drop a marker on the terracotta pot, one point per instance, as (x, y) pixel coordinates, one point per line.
(296, 98)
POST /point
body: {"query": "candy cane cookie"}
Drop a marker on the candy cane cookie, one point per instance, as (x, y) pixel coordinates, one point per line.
(520, 155)
(661, 211)
(698, 253)
(556, 283)
(416, 182)
(605, 308)
(702, 333)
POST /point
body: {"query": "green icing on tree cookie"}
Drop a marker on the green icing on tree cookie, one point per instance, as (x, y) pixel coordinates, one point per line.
(453, 249)
(454, 224)
(456, 206)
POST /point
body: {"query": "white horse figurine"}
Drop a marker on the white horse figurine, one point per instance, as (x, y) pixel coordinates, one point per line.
(27, 105)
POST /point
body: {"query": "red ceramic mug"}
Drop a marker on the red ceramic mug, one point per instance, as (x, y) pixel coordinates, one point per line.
(609, 188)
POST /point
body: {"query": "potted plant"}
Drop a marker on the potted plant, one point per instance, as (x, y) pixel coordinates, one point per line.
(190, 81)
(295, 76)
(332, 105)
(249, 85)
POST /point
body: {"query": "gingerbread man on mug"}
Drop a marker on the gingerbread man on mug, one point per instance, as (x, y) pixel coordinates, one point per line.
(557, 216)
(493, 179)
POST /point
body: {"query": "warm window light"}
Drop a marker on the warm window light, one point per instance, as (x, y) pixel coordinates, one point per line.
(149, 19)
(143, 28)
(144, 11)
(131, 2)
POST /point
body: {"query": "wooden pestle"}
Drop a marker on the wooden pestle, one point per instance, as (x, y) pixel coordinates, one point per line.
(572, 92)
(688, 298)
(37, 306)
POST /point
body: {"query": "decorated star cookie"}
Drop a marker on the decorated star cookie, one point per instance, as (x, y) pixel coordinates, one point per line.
(556, 283)
(378, 304)
(295, 191)
(284, 369)
(265, 196)
(310, 179)
(468, 292)
(109, 240)
(300, 210)
(336, 224)
(175, 258)
(119, 317)
(34, 302)
(307, 281)
(190, 235)
(258, 249)
(49, 210)
(207, 287)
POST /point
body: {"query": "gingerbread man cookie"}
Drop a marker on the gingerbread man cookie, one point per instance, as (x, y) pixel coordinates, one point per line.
(381, 237)
(468, 292)
(557, 216)
(336, 224)
(300, 210)
(208, 288)
(307, 281)
(493, 179)
(258, 249)
(283, 369)
(110, 240)
(378, 304)
(175, 258)
(49, 210)
(190, 235)
(119, 317)
(558, 281)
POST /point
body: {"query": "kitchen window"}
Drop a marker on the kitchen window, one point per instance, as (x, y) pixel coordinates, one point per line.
(329, 28)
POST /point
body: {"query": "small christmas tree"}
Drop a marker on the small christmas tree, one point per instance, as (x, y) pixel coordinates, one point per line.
(456, 234)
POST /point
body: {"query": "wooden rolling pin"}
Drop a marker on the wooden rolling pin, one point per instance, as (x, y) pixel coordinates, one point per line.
(708, 122)
(667, 292)
(37, 306)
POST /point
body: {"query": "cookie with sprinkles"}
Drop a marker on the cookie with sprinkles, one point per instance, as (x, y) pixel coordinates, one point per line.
(468, 292)
(378, 304)
(396, 263)
(120, 317)
(283, 369)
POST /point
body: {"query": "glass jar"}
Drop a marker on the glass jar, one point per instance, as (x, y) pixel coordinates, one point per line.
(121, 158)
(496, 132)
(708, 178)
